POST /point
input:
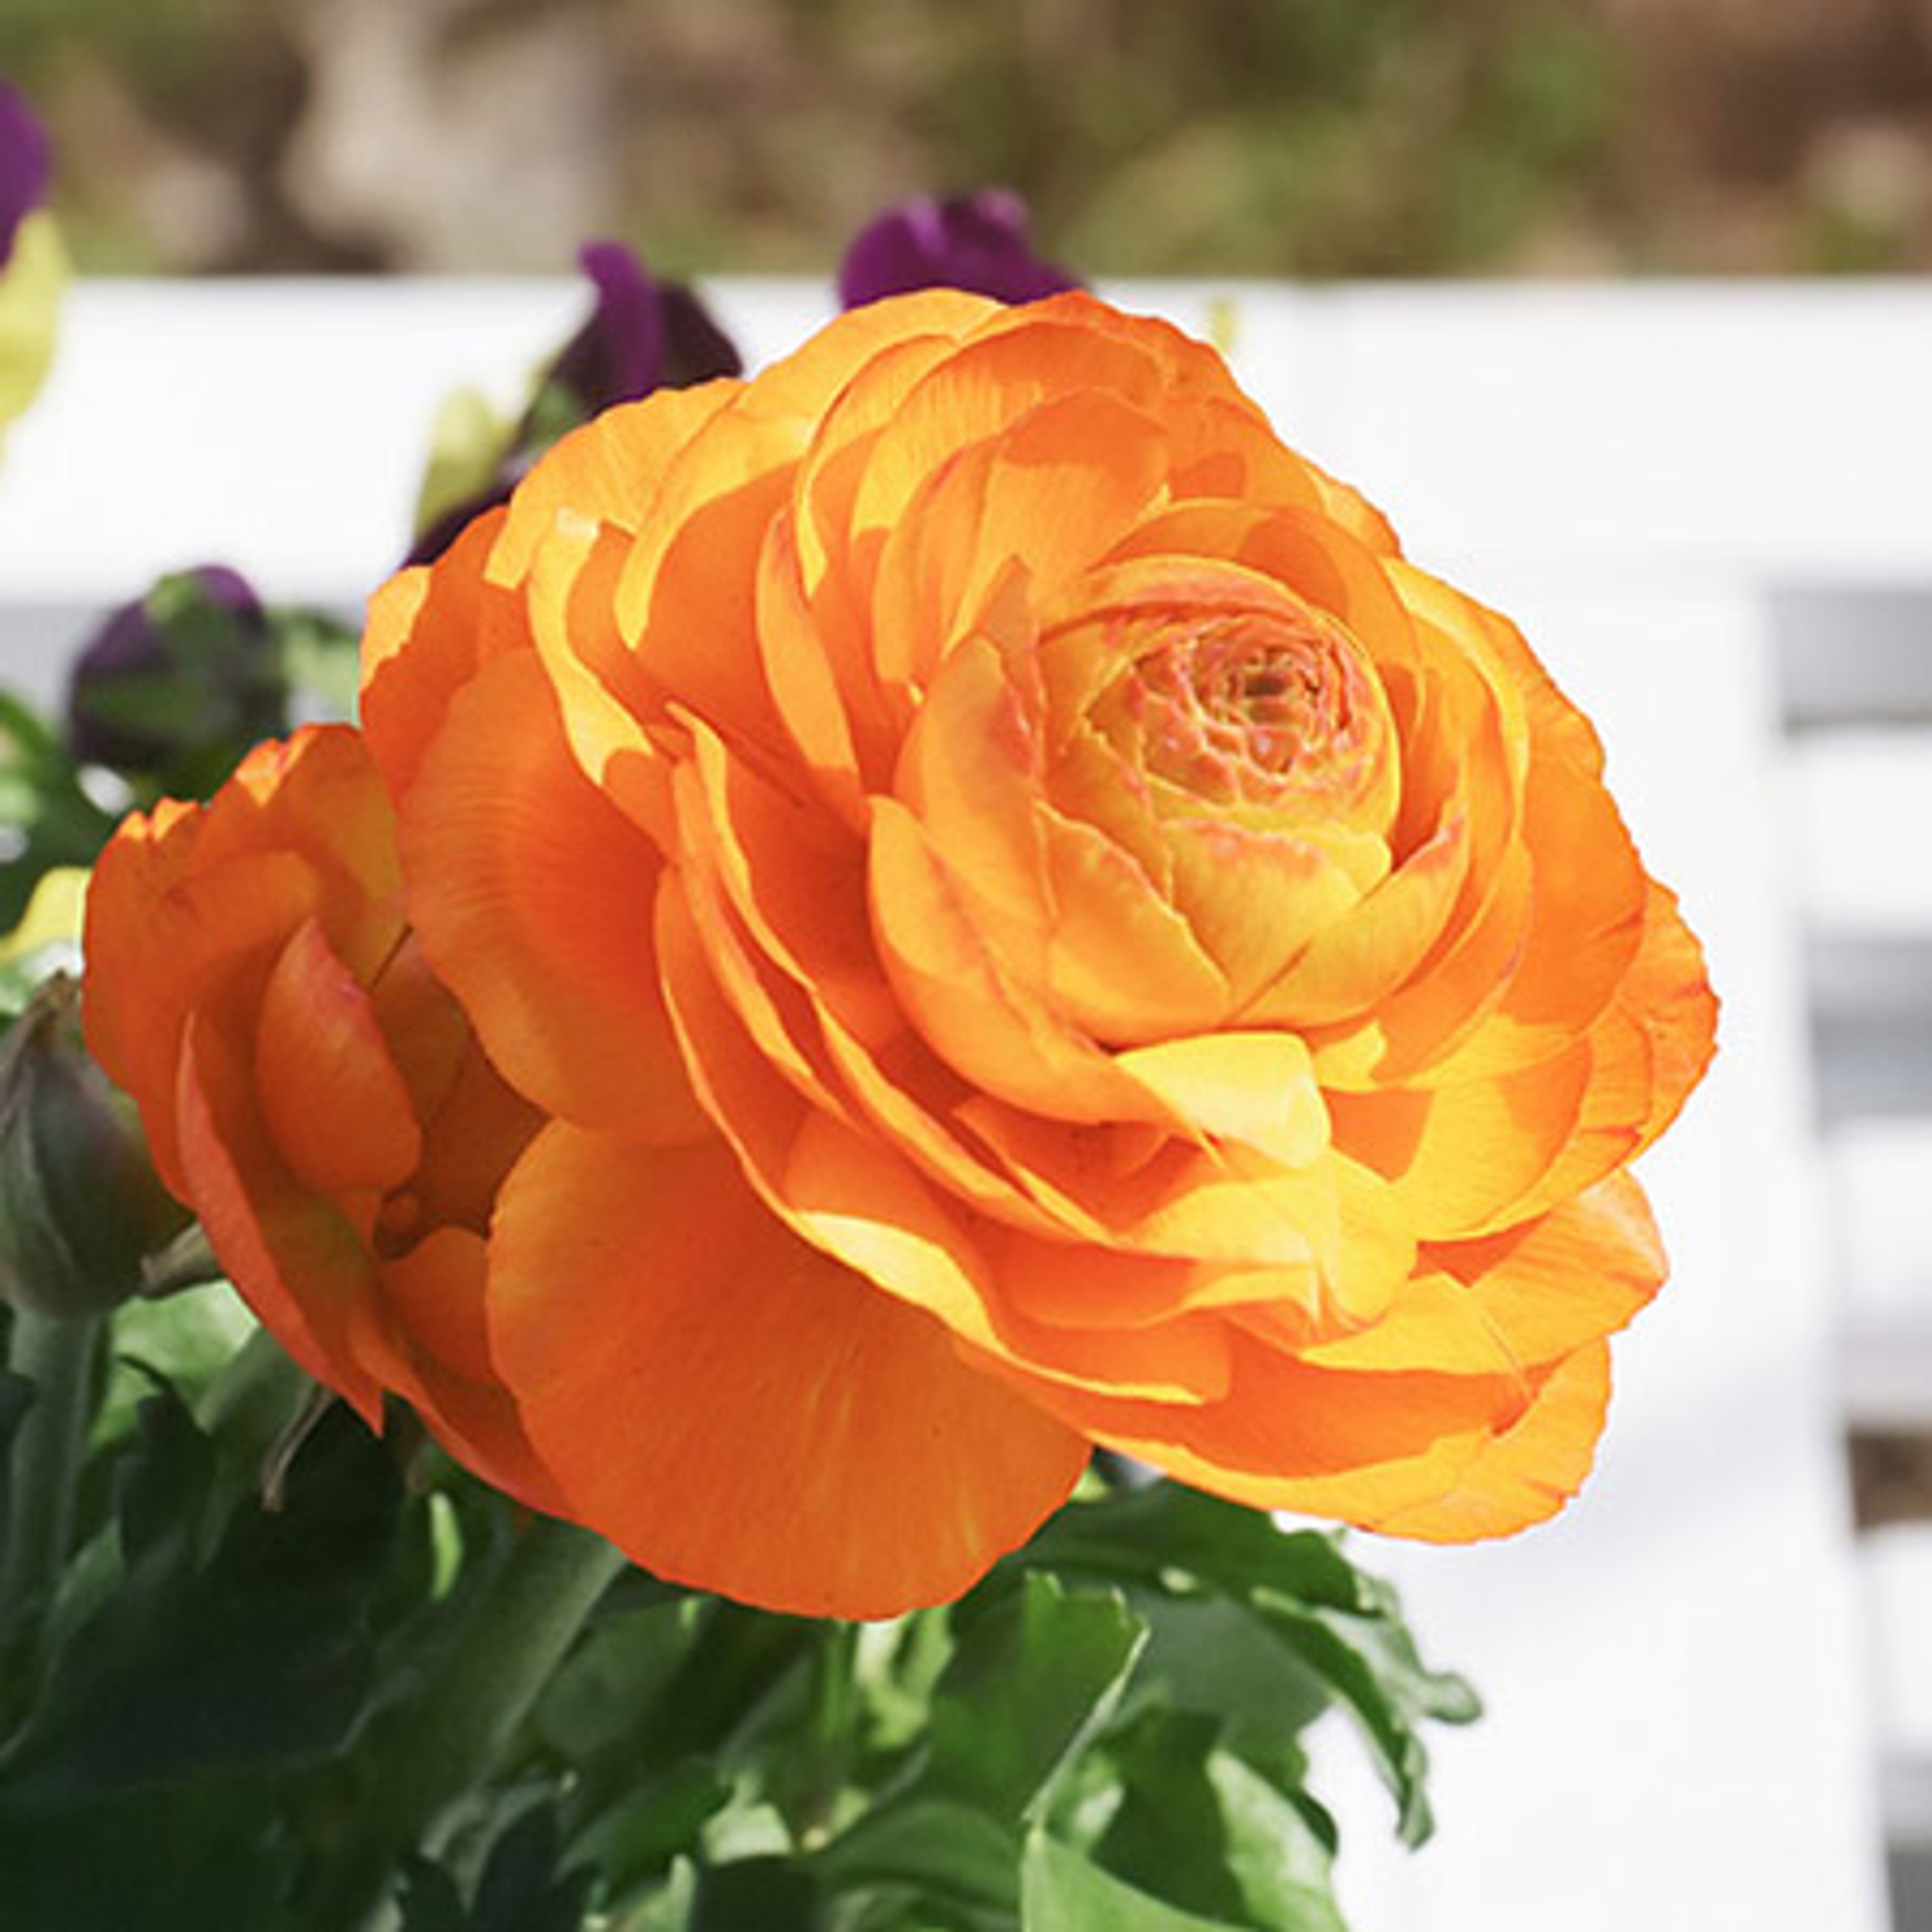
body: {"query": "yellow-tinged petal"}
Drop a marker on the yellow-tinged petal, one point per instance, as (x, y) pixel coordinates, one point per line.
(1256, 1088)
(1525, 1473)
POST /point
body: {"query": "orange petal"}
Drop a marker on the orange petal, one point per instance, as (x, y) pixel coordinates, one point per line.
(608, 471)
(687, 598)
(1050, 491)
(1124, 963)
(800, 674)
(738, 1412)
(1435, 1323)
(1525, 1473)
(331, 1095)
(864, 1201)
(1667, 994)
(433, 1296)
(429, 632)
(533, 896)
(291, 1255)
(1255, 1088)
(1572, 1276)
(995, 1031)
(1588, 894)
(190, 905)
(571, 595)
(1291, 1436)
(1463, 1158)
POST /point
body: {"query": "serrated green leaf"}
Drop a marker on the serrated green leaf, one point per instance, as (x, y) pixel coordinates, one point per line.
(1038, 1668)
(1370, 1662)
(1342, 1626)
(1062, 1891)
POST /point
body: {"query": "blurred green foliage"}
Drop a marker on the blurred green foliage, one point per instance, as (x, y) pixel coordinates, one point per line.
(1304, 137)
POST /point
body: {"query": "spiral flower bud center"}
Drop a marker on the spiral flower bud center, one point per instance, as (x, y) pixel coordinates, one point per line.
(1243, 710)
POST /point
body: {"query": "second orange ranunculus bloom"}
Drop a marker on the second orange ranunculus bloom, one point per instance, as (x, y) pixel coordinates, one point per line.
(1028, 924)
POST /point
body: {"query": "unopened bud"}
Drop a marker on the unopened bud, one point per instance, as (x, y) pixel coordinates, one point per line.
(81, 1208)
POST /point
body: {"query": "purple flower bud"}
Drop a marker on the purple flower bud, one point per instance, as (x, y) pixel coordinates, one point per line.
(182, 676)
(23, 167)
(643, 335)
(978, 242)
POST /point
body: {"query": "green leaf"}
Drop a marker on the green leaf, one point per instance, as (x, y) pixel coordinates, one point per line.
(1280, 1856)
(1371, 1663)
(1201, 1829)
(641, 1836)
(764, 1894)
(1343, 1627)
(1062, 1891)
(184, 1340)
(16, 1397)
(619, 1671)
(1038, 1669)
(1163, 1533)
(319, 656)
(521, 1889)
(42, 806)
(257, 1658)
(468, 441)
(1211, 1654)
(669, 1908)
(930, 1846)
(431, 1901)
(188, 1859)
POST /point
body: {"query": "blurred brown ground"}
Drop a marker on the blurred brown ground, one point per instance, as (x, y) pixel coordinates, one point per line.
(1302, 137)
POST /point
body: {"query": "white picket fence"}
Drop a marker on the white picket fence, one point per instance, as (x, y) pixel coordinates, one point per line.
(1711, 507)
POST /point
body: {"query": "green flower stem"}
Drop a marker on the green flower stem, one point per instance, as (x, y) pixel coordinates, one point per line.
(433, 1749)
(58, 1355)
(251, 1400)
(826, 1761)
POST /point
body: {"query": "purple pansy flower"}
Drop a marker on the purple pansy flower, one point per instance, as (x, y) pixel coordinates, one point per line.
(180, 673)
(23, 167)
(642, 334)
(978, 242)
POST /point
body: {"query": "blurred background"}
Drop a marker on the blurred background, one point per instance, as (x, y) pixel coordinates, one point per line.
(1264, 137)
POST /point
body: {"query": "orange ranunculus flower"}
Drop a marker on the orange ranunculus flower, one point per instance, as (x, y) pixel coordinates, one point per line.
(1034, 926)
(308, 1088)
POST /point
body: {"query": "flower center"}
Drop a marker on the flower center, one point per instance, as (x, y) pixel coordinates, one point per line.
(1274, 710)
